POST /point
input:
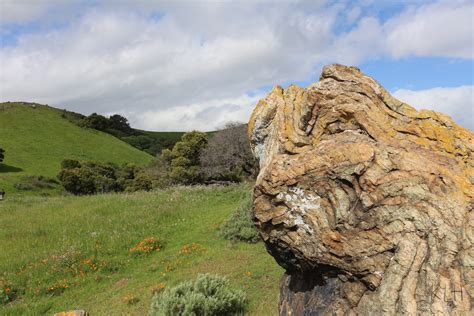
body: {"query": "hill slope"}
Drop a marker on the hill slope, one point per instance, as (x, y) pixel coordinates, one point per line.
(36, 139)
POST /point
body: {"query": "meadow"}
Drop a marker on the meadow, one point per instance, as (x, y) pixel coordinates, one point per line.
(94, 252)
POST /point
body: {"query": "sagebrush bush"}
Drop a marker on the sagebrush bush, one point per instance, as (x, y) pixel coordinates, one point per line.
(239, 227)
(207, 295)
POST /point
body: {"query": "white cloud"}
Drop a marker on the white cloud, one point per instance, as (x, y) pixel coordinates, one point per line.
(175, 65)
(440, 29)
(24, 11)
(204, 116)
(457, 102)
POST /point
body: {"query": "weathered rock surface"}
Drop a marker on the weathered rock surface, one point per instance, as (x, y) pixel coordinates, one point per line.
(366, 202)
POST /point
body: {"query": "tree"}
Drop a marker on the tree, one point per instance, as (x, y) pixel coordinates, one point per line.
(2, 154)
(95, 121)
(119, 123)
(228, 156)
(183, 160)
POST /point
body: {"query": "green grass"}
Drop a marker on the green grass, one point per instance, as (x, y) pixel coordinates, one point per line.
(41, 238)
(36, 140)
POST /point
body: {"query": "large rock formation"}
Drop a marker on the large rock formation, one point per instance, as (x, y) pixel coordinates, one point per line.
(366, 202)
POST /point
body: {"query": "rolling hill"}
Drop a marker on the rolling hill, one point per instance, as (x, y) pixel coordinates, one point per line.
(36, 138)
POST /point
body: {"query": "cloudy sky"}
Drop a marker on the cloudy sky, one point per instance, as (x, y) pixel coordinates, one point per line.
(183, 65)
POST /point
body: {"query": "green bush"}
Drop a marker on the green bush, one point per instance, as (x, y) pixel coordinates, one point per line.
(183, 160)
(88, 177)
(141, 182)
(70, 164)
(207, 295)
(240, 227)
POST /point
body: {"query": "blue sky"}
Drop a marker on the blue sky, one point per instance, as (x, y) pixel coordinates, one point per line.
(177, 65)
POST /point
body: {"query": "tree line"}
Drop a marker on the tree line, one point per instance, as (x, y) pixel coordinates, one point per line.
(118, 126)
(198, 158)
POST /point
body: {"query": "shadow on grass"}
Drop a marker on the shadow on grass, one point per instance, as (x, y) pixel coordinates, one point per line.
(7, 168)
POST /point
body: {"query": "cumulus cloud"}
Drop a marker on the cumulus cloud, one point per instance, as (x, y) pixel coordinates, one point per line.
(457, 102)
(441, 29)
(206, 116)
(190, 65)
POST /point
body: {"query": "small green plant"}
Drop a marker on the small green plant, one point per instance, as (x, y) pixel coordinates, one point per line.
(239, 227)
(207, 295)
(8, 293)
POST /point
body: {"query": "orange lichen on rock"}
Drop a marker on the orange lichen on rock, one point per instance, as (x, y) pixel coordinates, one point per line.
(364, 200)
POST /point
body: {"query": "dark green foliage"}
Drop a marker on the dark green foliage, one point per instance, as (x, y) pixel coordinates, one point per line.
(2, 154)
(132, 178)
(141, 182)
(95, 121)
(35, 182)
(152, 142)
(227, 156)
(240, 227)
(183, 160)
(89, 178)
(208, 295)
(116, 125)
(119, 123)
(86, 177)
(70, 164)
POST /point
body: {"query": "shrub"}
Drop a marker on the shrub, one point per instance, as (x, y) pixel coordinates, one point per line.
(240, 227)
(88, 177)
(183, 160)
(70, 164)
(158, 172)
(207, 295)
(141, 182)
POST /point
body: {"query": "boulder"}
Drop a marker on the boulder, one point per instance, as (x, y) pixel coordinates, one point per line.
(365, 201)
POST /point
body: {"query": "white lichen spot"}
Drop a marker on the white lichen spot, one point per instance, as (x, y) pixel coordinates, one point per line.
(299, 203)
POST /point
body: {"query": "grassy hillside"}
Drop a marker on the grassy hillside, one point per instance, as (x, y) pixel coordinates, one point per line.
(150, 142)
(36, 139)
(61, 253)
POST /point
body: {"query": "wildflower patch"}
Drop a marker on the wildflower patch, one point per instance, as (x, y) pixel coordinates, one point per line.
(146, 247)
(191, 248)
(58, 287)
